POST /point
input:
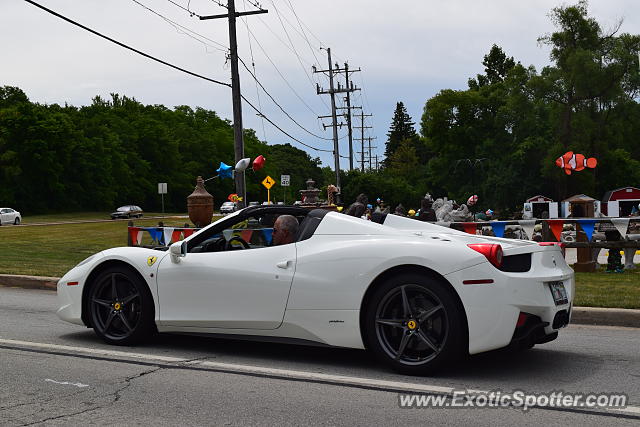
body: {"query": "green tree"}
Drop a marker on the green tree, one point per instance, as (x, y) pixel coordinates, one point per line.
(401, 129)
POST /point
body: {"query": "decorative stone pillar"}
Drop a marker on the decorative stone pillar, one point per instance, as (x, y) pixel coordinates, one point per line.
(200, 205)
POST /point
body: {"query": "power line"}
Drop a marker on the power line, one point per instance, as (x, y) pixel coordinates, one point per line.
(253, 64)
(171, 66)
(181, 27)
(313, 52)
(183, 8)
(146, 55)
(279, 106)
(279, 72)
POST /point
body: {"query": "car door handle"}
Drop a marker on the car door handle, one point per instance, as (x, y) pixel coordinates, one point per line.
(283, 264)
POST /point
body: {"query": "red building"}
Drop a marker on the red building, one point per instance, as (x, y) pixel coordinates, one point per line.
(620, 202)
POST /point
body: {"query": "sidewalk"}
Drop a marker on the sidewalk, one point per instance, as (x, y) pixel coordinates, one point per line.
(580, 315)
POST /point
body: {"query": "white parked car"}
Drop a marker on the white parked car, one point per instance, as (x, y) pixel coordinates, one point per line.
(228, 207)
(9, 216)
(413, 293)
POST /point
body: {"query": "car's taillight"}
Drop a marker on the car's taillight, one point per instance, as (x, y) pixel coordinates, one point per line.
(492, 251)
(559, 244)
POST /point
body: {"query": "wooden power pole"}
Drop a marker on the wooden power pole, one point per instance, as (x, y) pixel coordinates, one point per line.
(235, 91)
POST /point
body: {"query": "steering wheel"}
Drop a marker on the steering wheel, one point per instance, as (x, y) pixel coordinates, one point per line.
(239, 239)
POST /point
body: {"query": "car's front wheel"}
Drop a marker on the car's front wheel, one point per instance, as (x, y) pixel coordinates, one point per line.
(121, 307)
(413, 324)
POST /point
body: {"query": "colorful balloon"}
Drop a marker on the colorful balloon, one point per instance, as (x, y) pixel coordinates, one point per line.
(258, 163)
(243, 164)
(224, 171)
(472, 200)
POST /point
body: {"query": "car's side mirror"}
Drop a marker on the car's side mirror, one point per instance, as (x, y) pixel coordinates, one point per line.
(178, 250)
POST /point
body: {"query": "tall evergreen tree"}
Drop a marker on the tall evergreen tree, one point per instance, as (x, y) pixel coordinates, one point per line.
(401, 129)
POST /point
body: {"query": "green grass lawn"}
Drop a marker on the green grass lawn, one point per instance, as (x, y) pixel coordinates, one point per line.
(601, 289)
(52, 250)
(81, 216)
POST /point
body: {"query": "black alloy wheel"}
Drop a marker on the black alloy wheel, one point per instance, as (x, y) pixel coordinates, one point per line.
(16, 221)
(413, 324)
(121, 307)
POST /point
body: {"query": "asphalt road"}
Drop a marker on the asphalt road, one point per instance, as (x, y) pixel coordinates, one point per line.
(55, 373)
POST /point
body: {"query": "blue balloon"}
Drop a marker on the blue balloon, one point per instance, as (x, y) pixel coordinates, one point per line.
(224, 171)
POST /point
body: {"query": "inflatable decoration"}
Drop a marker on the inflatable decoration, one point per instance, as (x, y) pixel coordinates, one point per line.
(472, 200)
(258, 163)
(224, 171)
(243, 164)
(577, 162)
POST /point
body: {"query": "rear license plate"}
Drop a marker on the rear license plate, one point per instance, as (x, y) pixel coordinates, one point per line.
(558, 292)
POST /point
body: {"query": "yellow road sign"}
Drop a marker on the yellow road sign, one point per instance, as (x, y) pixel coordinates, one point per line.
(268, 182)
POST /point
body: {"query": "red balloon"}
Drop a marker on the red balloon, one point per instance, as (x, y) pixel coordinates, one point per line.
(258, 163)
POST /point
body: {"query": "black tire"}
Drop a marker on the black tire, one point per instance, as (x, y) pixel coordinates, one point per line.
(121, 307)
(16, 221)
(422, 340)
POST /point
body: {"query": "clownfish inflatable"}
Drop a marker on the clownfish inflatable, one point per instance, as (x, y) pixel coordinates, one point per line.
(570, 161)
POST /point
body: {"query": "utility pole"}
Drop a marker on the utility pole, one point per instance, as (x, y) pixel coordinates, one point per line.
(235, 91)
(332, 92)
(370, 147)
(348, 99)
(362, 127)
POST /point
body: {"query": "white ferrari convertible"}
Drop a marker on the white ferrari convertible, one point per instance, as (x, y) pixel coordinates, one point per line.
(415, 294)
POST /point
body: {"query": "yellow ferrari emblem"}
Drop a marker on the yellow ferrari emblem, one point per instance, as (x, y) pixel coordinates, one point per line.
(151, 260)
(117, 306)
(412, 324)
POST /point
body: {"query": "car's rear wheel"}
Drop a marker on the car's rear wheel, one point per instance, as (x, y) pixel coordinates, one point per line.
(16, 221)
(121, 307)
(413, 324)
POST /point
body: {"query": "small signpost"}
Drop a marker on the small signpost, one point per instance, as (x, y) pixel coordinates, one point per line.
(268, 183)
(285, 181)
(162, 190)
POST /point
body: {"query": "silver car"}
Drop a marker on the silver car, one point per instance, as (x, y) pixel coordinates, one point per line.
(228, 207)
(9, 216)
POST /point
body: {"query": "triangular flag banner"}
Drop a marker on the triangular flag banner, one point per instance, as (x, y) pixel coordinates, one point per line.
(168, 234)
(176, 235)
(556, 227)
(498, 228)
(268, 233)
(246, 235)
(469, 227)
(621, 224)
(136, 235)
(153, 233)
(528, 225)
(188, 232)
(587, 226)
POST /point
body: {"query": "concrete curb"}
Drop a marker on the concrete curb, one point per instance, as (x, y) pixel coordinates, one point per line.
(605, 316)
(579, 315)
(29, 282)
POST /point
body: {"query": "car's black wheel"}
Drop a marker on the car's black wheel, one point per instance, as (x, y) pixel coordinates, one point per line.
(121, 307)
(16, 221)
(413, 324)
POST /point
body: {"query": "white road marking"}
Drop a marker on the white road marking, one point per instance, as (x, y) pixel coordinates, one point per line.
(49, 380)
(400, 387)
(95, 351)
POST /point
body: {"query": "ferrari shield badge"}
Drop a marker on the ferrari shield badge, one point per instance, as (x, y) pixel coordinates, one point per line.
(151, 260)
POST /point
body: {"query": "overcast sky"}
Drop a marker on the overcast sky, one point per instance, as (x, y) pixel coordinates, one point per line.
(408, 51)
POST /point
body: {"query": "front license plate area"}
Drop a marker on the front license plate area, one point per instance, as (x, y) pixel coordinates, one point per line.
(558, 292)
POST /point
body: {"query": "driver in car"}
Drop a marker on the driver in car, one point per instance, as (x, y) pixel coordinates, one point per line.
(284, 230)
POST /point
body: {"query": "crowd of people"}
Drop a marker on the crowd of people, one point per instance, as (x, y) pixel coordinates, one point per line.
(361, 208)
